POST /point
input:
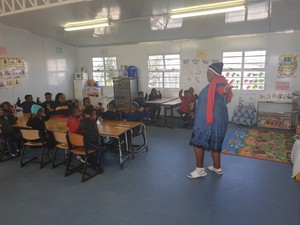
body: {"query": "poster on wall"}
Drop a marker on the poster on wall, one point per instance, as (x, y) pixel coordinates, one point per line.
(11, 70)
(282, 85)
(194, 70)
(287, 65)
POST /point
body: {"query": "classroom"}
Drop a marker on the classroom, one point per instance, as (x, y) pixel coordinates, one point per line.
(167, 45)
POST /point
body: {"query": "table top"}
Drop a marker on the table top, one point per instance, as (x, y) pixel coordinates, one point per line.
(112, 131)
(172, 102)
(160, 101)
(128, 124)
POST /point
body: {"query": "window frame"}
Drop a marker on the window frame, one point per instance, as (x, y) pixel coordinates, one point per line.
(105, 71)
(243, 70)
(164, 71)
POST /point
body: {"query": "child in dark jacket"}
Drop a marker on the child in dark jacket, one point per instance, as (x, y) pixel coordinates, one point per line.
(49, 105)
(112, 113)
(89, 128)
(26, 105)
(155, 108)
(62, 107)
(136, 113)
(37, 121)
(11, 135)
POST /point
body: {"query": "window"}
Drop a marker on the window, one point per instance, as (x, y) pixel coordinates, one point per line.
(257, 11)
(246, 69)
(164, 71)
(104, 69)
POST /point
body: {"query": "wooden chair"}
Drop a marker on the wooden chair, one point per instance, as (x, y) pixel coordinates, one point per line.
(76, 147)
(4, 149)
(32, 139)
(62, 144)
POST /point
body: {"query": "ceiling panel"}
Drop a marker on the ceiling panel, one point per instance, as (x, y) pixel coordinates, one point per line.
(131, 21)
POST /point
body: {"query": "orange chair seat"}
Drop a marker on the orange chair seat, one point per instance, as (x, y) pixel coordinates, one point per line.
(81, 151)
(63, 146)
(33, 144)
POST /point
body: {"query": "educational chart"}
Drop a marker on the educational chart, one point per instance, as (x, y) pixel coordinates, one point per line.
(194, 70)
(287, 65)
(11, 70)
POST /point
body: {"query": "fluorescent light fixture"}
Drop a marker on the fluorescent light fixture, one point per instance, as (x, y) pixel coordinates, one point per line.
(88, 24)
(208, 9)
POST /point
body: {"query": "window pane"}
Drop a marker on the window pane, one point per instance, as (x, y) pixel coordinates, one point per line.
(104, 68)
(230, 54)
(258, 11)
(255, 53)
(235, 16)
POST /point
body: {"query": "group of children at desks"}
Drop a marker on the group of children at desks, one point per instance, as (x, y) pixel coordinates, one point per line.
(80, 120)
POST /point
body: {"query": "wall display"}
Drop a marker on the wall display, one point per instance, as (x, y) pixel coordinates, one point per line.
(287, 65)
(282, 85)
(11, 70)
(194, 70)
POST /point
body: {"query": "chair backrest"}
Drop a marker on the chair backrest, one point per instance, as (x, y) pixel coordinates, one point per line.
(60, 137)
(76, 139)
(30, 135)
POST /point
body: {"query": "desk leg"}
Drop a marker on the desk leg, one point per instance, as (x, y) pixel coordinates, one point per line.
(120, 152)
(165, 108)
(145, 137)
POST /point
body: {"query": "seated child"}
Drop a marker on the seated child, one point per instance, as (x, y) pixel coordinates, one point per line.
(88, 126)
(73, 125)
(62, 107)
(26, 105)
(141, 99)
(87, 103)
(186, 100)
(37, 121)
(155, 108)
(48, 104)
(136, 113)
(112, 113)
(12, 136)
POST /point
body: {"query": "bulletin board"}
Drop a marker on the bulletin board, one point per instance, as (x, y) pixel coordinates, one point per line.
(12, 69)
(194, 71)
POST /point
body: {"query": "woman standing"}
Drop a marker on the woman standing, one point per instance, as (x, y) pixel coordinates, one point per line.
(211, 121)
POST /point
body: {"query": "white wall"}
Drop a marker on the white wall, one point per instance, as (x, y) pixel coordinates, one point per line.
(137, 54)
(47, 70)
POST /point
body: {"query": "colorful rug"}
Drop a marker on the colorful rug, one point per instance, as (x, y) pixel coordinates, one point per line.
(260, 144)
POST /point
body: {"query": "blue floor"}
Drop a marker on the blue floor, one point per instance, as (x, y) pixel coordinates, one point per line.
(152, 189)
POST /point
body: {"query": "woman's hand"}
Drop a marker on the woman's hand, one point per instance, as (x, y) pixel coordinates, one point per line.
(228, 87)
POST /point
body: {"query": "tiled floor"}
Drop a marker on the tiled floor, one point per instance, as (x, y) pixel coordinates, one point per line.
(152, 189)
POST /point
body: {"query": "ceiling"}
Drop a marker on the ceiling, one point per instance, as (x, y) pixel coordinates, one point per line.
(131, 21)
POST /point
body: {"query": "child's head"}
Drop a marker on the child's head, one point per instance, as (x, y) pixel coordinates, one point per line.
(86, 101)
(191, 90)
(112, 106)
(186, 93)
(36, 110)
(140, 94)
(90, 114)
(6, 107)
(153, 91)
(75, 112)
(60, 98)
(134, 106)
(28, 98)
(48, 96)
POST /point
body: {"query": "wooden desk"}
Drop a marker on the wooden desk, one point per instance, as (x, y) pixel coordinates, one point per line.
(160, 101)
(115, 132)
(170, 105)
(131, 125)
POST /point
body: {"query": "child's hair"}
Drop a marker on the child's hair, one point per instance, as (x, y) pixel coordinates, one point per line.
(73, 110)
(186, 92)
(27, 96)
(57, 96)
(84, 99)
(135, 104)
(48, 93)
(113, 103)
(140, 93)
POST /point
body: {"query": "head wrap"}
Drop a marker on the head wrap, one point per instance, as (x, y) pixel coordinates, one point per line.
(35, 108)
(217, 68)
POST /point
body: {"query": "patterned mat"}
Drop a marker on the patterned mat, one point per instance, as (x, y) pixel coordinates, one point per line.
(261, 144)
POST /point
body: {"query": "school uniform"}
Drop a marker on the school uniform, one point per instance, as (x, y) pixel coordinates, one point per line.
(26, 106)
